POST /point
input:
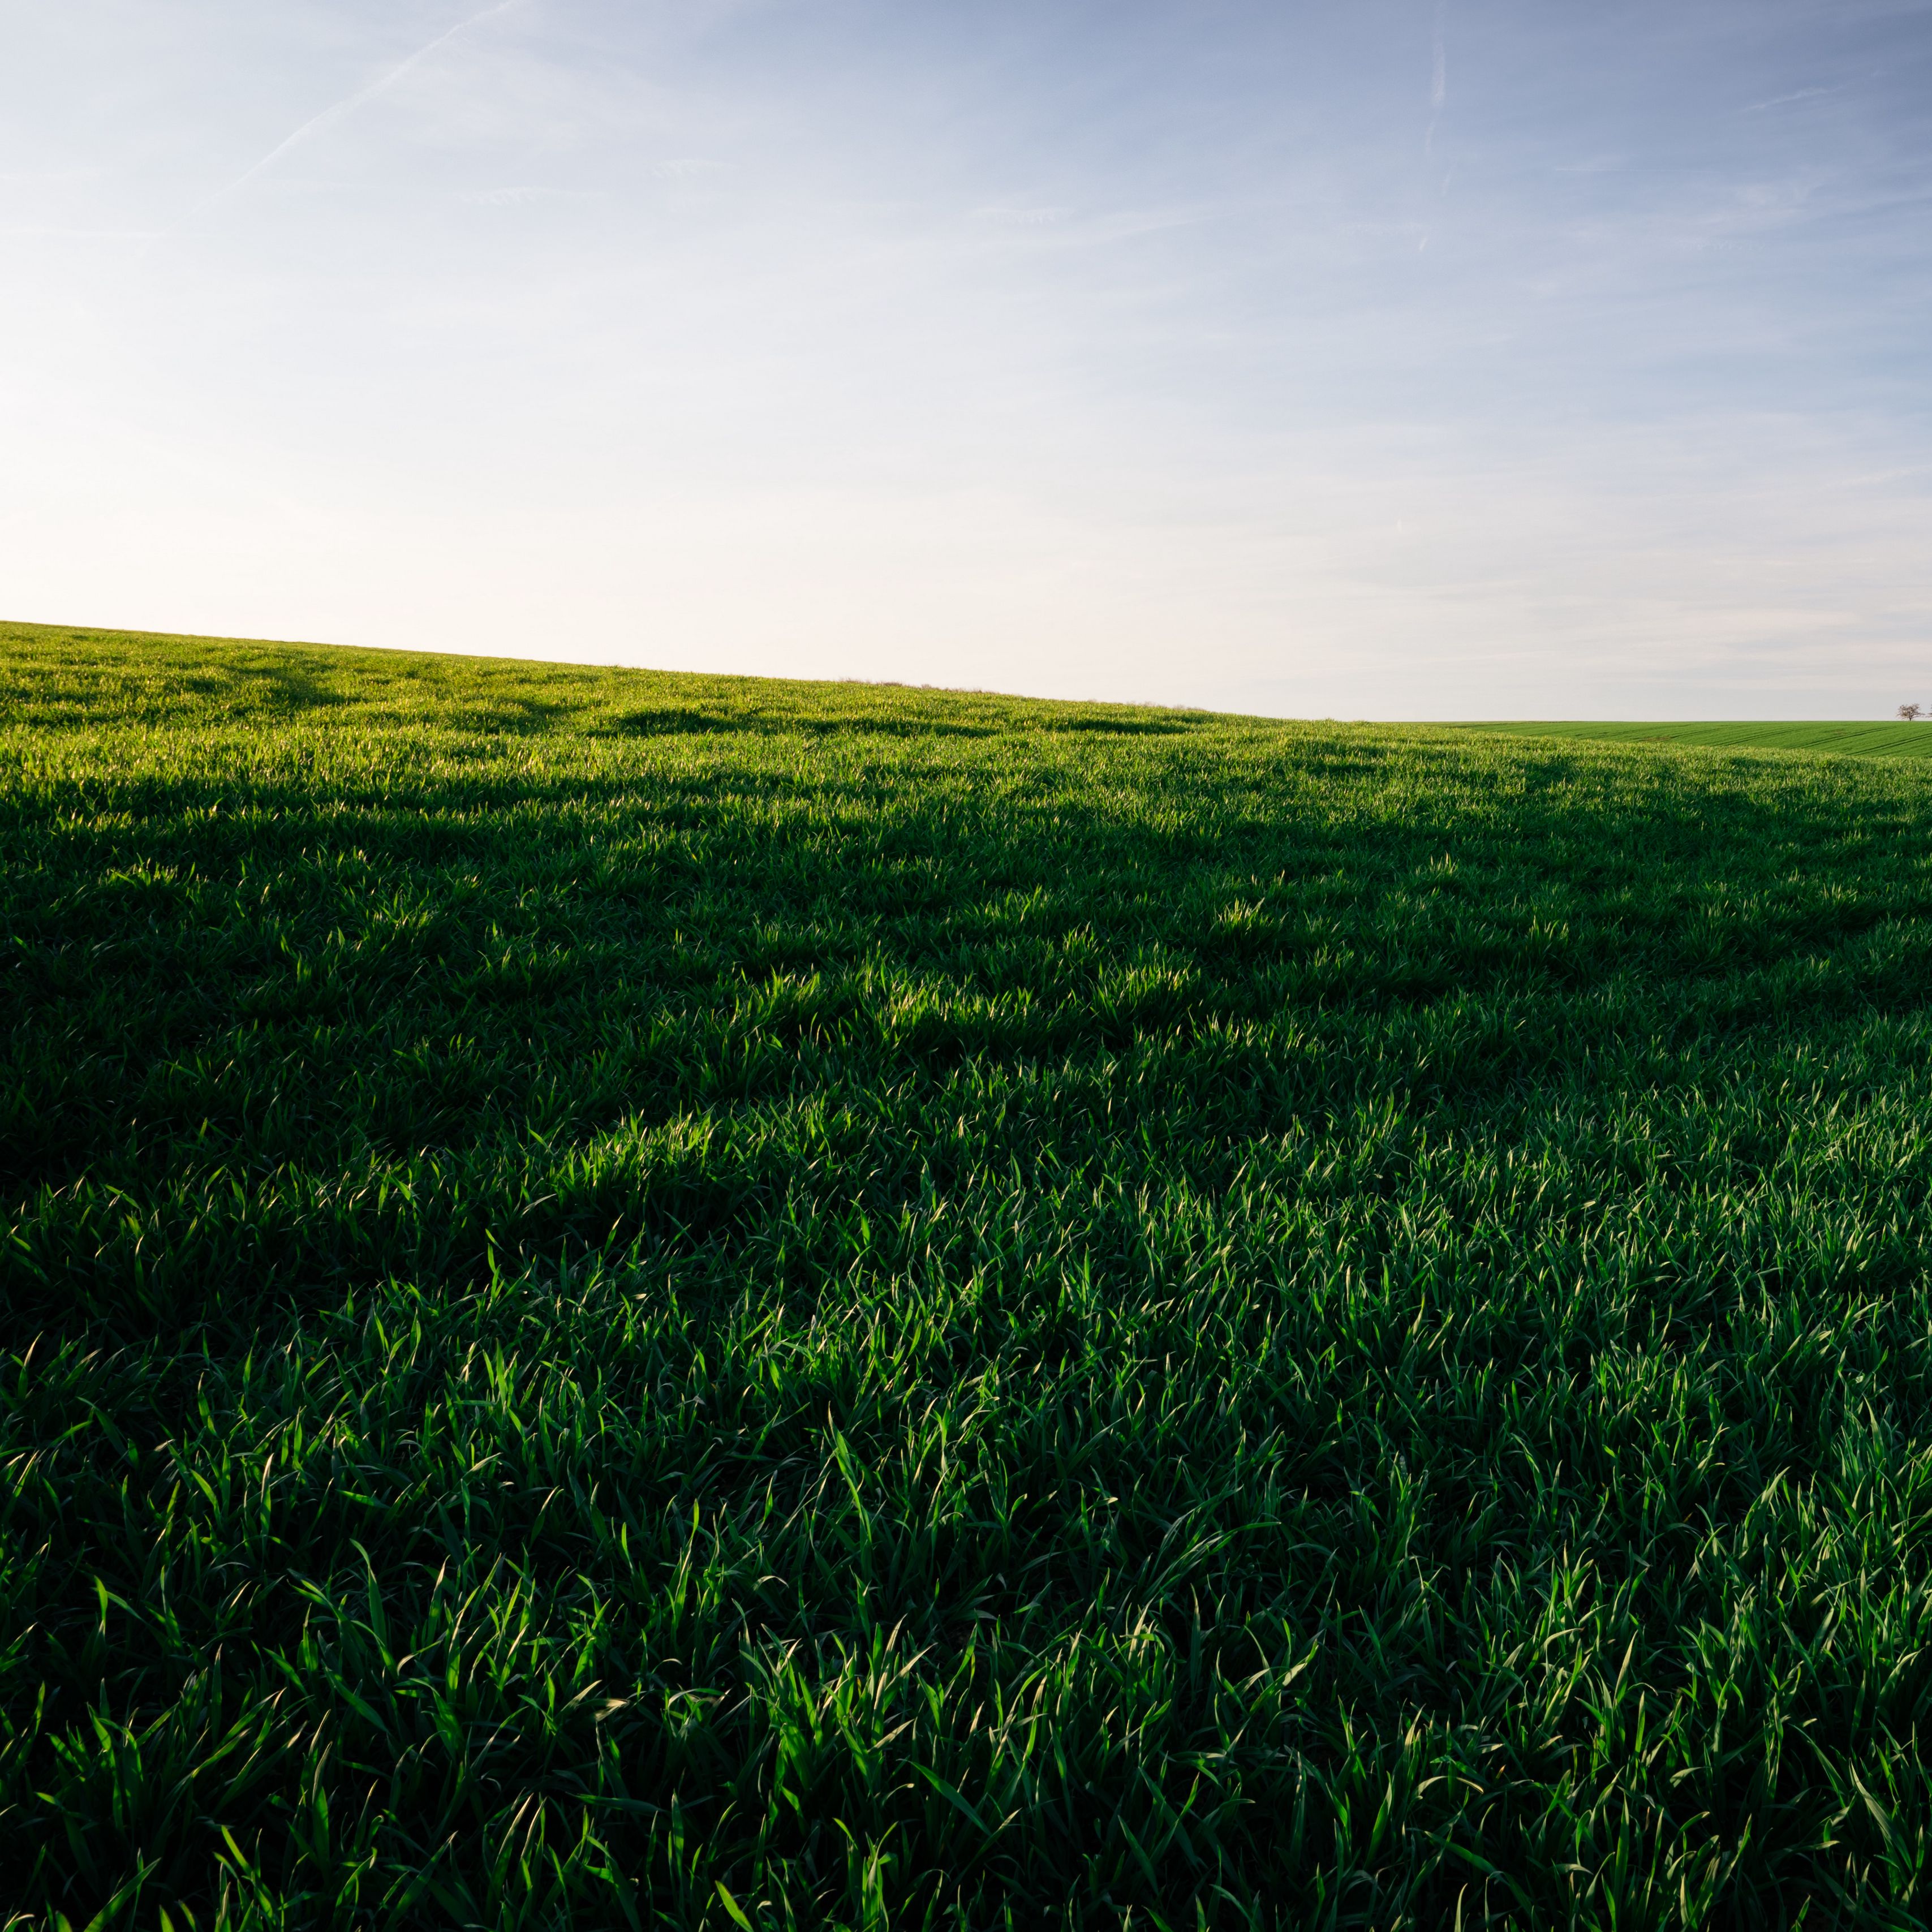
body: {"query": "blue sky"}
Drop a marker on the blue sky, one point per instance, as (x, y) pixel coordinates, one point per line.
(1472, 359)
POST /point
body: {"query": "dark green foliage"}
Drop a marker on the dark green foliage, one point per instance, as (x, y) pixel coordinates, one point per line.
(637, 1299)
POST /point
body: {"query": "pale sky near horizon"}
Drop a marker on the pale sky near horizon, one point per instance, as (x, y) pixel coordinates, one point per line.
(1380, 359)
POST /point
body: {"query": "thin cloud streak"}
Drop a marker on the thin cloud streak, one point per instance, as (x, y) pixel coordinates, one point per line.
(337, 111)
(1438, 79)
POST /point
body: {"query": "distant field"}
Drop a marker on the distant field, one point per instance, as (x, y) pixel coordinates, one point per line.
(633, 1299)
(1880, 740)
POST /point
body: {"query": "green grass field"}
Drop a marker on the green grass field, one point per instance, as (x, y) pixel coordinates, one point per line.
(1883, 740)
(634, 1299)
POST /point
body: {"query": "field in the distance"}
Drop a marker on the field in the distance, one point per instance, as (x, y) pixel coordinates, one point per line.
(1887, 738)
(635, 1299)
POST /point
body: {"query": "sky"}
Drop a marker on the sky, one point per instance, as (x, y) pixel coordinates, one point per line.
(1368, 359)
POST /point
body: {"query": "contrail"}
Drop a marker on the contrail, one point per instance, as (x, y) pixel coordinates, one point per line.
(328, 118)
(1438, 80)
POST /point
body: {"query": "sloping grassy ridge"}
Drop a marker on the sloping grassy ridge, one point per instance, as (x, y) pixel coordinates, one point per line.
(1884, 739)
(635, 1299)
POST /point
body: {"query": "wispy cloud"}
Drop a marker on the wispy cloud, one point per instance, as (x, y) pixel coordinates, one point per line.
(336, 113)
(1438, 78)
(1020, 217)
(49, 231)
(1788, 100)
(508, 197)
(340, 111)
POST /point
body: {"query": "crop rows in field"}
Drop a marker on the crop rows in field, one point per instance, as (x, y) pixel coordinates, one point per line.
(1884, 739)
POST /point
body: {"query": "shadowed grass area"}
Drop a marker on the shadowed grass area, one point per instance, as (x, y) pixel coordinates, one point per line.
(633, 1298)
(1877, 740)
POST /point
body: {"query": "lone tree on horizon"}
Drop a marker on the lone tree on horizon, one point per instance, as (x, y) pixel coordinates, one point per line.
(1910, 711)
